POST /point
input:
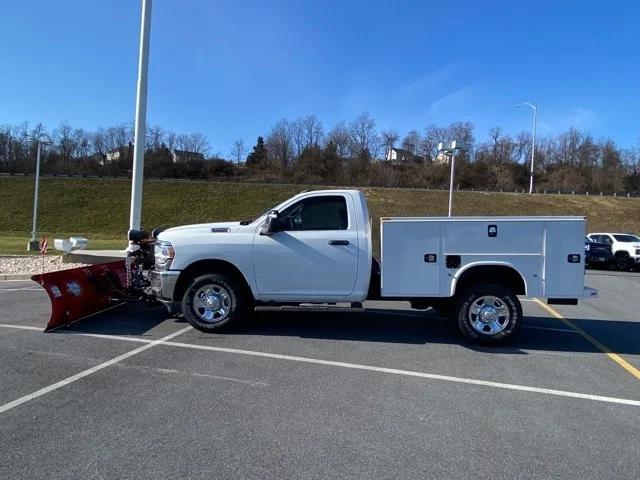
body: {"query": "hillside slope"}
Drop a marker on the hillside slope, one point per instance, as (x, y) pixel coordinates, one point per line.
(99, 208)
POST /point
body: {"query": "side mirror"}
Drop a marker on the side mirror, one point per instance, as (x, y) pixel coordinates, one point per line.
(271, 224)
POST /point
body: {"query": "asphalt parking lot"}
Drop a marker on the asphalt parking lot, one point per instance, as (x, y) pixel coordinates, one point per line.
(388, 393)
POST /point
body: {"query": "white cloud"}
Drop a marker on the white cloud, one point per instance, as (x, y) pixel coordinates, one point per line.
(583, 118)
(452, 102)
(428, 81)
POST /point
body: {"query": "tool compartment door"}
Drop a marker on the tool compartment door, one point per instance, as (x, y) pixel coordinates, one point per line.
(411, 258)
(562, 278)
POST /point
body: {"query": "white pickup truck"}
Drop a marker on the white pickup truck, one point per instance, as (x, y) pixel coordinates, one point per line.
(316, 247)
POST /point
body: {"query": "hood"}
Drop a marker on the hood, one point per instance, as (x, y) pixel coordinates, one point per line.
(215, 227)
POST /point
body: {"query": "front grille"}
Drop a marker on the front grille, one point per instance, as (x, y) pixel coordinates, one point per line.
(637, 251)
(599, 248)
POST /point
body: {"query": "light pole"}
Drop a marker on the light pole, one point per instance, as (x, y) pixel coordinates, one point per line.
(533, 140)
(33, 243)
(137, 175)
(450, 150)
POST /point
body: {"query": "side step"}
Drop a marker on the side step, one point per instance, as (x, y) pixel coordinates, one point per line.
(313, 307)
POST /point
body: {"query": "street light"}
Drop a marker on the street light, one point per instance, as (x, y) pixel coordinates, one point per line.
(533, 140)
(137, 174)
(450, 149)
(33, 243)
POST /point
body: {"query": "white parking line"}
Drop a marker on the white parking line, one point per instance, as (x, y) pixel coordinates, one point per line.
(97, 368)
(32, 289)
(354, 366)
(551, 329)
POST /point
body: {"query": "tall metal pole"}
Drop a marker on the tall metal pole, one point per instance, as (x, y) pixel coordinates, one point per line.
(141, 118)
(453, 167)
(35, 199)
(533, 146)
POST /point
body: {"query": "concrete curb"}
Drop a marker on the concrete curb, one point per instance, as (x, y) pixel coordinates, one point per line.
(15, 276)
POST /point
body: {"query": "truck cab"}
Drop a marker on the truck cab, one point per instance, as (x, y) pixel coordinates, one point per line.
(316, 247)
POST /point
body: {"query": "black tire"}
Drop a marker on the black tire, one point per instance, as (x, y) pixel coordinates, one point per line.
(623, 263)
(506, 301)
(238, 301)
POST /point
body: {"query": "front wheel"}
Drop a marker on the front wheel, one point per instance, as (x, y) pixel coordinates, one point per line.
(489, 313)
(623, 263)
(214, 302)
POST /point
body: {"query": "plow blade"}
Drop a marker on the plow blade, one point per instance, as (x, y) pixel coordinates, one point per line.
(80, 292)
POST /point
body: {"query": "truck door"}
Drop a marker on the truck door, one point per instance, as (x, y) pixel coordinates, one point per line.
(314, 256)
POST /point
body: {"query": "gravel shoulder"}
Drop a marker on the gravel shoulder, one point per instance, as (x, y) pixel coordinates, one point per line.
(31, 265)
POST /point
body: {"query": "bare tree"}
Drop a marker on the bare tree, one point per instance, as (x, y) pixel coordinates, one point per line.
(155, 137)
(388, 139)
(339, 136)
(362, 133)
(237, 151)
(412, 141)
(312, 131)
(63, 137)
(429, 144)
(193, 142)
(280, 143)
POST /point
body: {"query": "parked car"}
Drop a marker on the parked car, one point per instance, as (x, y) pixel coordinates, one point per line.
(625, 248)
(597, 254)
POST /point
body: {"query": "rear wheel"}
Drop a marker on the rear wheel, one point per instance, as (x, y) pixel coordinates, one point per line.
(215, 302)
(489, 313)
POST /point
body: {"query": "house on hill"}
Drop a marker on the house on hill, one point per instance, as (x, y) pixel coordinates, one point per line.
(401, 155)
(179, 156)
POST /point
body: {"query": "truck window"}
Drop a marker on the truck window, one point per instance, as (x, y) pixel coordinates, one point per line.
(316, 213)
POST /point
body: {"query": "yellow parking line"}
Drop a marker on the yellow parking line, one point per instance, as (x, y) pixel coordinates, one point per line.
(613, 356)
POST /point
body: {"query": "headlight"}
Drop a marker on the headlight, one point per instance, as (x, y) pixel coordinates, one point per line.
(163, 253)
(587, 248)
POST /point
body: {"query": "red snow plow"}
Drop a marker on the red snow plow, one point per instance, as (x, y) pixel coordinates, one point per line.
(81, 292)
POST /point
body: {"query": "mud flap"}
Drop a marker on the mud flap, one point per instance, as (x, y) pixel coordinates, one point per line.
(80, 292)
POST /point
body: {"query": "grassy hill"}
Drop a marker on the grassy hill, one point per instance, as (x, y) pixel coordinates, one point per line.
(99, 209)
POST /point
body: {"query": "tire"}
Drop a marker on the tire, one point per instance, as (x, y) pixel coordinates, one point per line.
(623, 263)
(489, 314)
(215, 302)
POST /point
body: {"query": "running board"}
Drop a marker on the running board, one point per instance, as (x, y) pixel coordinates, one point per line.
(311, 308)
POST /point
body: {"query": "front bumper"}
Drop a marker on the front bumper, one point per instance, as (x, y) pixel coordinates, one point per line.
(163, 284)
(597, 257)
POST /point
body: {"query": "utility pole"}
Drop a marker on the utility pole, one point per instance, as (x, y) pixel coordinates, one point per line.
(450, 150)
(533, 140)
(141, 118)
(34, 244)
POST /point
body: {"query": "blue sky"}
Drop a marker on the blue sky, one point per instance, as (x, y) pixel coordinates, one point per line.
(232, 69)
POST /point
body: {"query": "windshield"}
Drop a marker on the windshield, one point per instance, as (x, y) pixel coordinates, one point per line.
(627, 238)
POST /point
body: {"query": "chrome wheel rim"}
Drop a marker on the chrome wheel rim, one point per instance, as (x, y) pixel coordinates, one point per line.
(212, 303)
(489, 315)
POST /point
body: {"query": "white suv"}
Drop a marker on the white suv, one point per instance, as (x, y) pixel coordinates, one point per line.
(625, 248)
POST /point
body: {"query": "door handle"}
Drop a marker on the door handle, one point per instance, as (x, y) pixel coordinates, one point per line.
(338, 242)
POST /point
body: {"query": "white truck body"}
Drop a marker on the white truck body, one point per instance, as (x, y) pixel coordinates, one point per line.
(317, 247)
(539, 248)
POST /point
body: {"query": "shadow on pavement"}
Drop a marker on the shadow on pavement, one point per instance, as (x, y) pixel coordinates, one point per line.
(382, 325)
(414, 327)
(129, 319)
